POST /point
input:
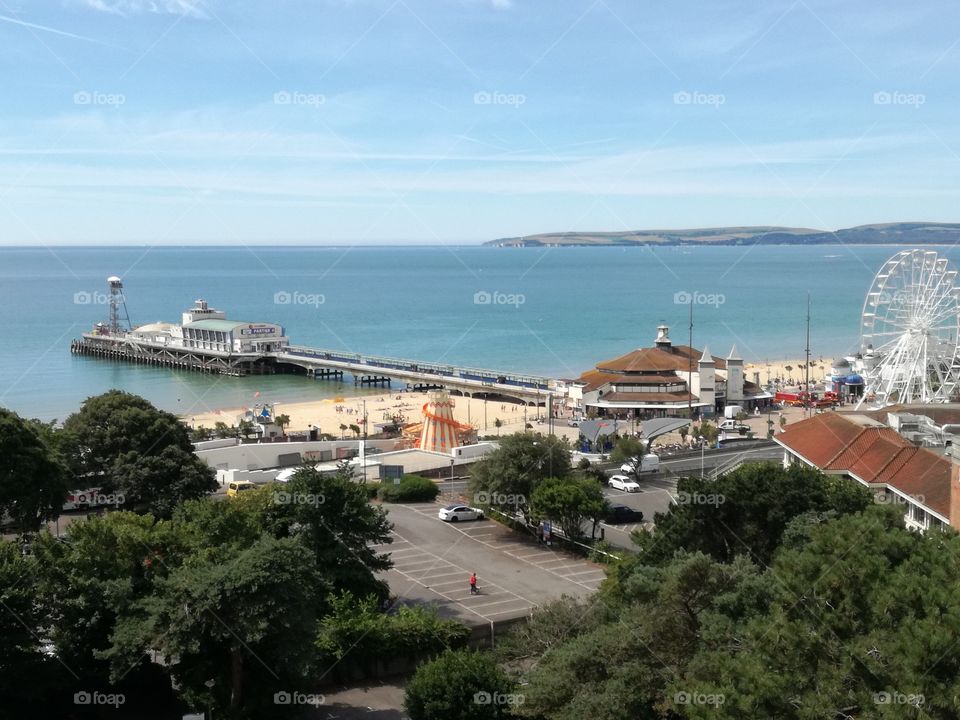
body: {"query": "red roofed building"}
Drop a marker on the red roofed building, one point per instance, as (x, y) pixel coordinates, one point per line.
(667, 380)
(862, 448)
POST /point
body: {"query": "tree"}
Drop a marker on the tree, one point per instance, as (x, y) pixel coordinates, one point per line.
(498, 423)
(551, 625)
(28, 678)
(245, 620)
(709, 432)
(332, 515)
(513, 470)
(113, 424)
(33, 479)
(222, 430)
(124, 445)
(568, 502)
(109, 564)
(201, 433)
(343, 429)
(745, 512)
(857, 623)
(247, 428)
(158, 483)
(617, 662)
(630, 451)
(282, 421)
(684, 432)
(459, 685)
(355, 429)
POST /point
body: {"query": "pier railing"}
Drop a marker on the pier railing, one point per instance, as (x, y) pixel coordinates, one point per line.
(384, 363)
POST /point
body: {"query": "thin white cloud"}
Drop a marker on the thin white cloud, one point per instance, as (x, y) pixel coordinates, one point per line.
(48, 29)
(189, 8)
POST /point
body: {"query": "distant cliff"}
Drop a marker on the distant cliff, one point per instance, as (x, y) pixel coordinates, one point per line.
(905, 233)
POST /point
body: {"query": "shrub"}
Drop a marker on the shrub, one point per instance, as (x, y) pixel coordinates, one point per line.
(411, 488)
(356, 635)
(460, 685)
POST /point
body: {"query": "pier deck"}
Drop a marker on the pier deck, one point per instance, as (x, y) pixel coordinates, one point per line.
(320, 363)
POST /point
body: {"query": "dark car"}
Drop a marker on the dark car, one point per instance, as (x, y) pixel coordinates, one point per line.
(622, 514)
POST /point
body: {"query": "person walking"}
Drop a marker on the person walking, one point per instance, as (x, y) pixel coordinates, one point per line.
(473, 584)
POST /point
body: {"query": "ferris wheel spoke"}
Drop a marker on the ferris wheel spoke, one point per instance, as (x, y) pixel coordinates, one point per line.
(910, 330)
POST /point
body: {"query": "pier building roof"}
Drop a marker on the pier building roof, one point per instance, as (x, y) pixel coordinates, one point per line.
(657, 359)
(220, 325)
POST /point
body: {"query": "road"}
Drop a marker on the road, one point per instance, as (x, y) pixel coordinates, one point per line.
(433, 561)
(659, 490)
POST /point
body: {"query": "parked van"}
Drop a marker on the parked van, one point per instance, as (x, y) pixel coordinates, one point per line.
(649, 463)
(238, 486)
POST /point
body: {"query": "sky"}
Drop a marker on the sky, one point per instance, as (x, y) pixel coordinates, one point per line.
(462, 121)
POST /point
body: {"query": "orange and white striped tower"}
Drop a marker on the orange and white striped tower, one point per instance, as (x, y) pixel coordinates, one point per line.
(439, 428)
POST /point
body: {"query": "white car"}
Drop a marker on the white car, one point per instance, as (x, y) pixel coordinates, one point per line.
(456, 513)
(622, 482)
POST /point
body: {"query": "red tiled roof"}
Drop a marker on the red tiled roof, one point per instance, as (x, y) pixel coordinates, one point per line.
(924, 475)
(875, 455)
(595, 379)
(821, 438)
(649, 397)
(869, 453)
(677, 357)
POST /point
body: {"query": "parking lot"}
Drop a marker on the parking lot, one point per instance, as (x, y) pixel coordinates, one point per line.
(433, 561)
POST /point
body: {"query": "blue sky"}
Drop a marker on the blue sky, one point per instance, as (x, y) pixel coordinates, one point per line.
(449, 121)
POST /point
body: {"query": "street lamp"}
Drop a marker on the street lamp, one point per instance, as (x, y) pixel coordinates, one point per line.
(703, 442)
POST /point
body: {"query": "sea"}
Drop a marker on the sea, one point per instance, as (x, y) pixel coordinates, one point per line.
(548, 311)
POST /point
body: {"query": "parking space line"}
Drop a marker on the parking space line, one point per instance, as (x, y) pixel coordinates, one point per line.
(451, 598)
(585, 572)
(527, 545)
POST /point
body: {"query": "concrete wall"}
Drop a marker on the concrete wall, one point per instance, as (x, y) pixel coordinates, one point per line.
(255, 476)
(257, 456)
(212, 444)
(474, 451)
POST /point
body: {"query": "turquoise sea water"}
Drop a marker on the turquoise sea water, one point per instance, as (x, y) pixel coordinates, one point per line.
(551, 311)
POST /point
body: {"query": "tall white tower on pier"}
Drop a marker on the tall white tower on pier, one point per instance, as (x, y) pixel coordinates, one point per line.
(119, 317)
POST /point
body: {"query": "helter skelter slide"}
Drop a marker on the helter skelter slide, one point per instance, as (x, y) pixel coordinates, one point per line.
(440, 432)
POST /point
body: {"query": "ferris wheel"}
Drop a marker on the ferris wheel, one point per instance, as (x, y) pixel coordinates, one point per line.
(909, 332)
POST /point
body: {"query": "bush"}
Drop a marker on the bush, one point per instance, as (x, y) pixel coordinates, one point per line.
(459, 685)
(412, 488)
(373, 489)
(356, 636)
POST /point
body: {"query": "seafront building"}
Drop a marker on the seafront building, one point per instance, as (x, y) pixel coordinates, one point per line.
(669, 380)
(905, 454)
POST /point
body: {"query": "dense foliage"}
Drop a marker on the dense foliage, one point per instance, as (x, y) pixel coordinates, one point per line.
(124, 445)
(570, 502)
(33, 479)
(224, 601)
(793, 597)
(460, 685)
(357, 639)
(411, 488)
(507, 477)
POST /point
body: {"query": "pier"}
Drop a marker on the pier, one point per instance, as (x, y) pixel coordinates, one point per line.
(206, 341)
(319, 363)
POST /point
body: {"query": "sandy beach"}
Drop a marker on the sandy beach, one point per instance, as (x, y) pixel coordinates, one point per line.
(788, 372)
(330, 413)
